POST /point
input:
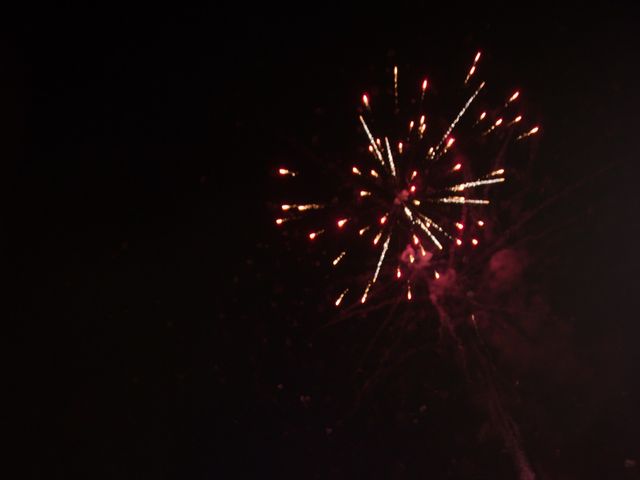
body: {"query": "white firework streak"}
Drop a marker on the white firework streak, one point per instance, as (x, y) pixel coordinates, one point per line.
(457, 119)
(408, 213)
(338, 258)
(385, 247)
(372, 141)
(395, 86)
(431, 223)
(462, 200)
(423, 226)
(339, 300)
(302, 208)
(477, 183)
(391, 163)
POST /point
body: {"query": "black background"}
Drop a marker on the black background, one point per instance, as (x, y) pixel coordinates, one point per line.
(157, 309)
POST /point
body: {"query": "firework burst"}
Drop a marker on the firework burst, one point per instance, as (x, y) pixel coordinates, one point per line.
(416, 180)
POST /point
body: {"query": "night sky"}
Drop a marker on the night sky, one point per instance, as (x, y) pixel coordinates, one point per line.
(161, 326)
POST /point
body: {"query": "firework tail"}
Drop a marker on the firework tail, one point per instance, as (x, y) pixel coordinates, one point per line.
(474, 360)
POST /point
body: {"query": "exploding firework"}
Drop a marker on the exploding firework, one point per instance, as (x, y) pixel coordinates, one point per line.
(416, 180)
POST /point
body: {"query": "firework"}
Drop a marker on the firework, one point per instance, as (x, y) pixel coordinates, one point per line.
(411, 187)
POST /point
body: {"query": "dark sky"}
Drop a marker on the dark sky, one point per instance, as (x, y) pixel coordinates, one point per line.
(157, 310)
